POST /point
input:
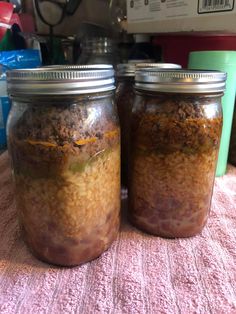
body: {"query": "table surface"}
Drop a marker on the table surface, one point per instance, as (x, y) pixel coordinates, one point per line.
(138, 274)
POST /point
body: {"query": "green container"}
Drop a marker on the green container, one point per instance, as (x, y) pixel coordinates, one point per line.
(223, 61)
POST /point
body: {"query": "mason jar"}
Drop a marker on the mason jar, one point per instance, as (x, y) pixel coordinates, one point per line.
(64, 144)
(125, 99)
(175, 136)
(98, 50)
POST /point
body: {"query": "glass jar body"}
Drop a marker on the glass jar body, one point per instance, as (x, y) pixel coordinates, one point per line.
(88, 57)
(125, 99)
(98, 50)
(65, 153)
(175, 141)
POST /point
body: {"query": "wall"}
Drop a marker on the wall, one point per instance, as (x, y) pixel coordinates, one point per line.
(95, 11)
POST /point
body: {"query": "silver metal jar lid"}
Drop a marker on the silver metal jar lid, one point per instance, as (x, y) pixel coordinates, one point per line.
(180, 81)
(125, 69)
(159, 65)
(43, 81)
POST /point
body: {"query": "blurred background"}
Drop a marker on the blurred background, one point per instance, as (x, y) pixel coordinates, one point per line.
(70, 31)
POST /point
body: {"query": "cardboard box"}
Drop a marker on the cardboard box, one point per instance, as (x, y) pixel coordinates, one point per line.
(171, 16)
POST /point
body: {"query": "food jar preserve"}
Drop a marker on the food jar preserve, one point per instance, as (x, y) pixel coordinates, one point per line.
(124, 99)
(175, 136)
(64, 144)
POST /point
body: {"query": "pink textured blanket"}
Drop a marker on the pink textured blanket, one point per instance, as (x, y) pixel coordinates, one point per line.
(138, 274)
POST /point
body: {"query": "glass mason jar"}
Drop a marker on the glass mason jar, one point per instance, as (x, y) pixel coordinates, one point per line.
(98, 50)
(64, 143)
(176, 129)
(124, 100)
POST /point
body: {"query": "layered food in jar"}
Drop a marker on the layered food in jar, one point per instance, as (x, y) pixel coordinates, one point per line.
(175, 141)
(65, 153)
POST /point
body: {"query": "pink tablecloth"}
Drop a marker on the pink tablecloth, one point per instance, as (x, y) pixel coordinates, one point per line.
(138, 274)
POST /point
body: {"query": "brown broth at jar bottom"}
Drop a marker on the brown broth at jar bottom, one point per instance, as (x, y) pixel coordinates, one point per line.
(74, 217)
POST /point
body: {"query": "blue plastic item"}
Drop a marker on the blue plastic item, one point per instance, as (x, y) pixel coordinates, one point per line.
(20, 59)
(4, 106)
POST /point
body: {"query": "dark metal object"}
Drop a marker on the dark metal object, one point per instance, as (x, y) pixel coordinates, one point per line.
(68, 7)
(17, 5)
